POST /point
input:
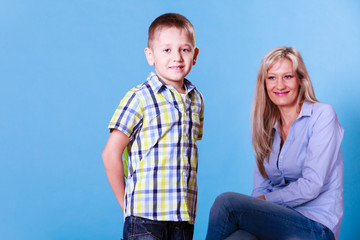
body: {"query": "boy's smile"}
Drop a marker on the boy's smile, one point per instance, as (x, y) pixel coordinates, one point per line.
(173, 54)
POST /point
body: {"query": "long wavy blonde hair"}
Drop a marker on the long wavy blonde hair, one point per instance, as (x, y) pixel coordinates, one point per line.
(264, 112)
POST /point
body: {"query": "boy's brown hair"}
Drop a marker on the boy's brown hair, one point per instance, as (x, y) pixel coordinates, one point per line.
(171, 20)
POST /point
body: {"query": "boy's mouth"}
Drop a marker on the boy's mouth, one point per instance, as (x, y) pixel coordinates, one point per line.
(176, 67)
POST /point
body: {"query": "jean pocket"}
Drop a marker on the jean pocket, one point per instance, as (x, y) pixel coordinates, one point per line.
(146, 229)
(322, 231)
(145, 236)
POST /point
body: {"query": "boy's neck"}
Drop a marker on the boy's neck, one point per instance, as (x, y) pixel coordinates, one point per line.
(179, 86)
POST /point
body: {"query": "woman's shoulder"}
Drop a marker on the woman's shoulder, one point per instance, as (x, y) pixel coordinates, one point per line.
(323, 114)
(323, 109)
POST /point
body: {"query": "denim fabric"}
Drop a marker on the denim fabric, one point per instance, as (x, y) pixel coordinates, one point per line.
(137, 228)
(236, 216)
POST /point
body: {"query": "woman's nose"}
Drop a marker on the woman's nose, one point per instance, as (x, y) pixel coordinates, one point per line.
(280, 83)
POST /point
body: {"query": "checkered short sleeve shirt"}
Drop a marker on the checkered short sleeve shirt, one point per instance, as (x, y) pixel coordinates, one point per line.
(163, 130)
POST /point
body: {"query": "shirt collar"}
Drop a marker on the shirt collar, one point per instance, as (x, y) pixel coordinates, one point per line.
(306, 111)
(156, 83)
(189, 85)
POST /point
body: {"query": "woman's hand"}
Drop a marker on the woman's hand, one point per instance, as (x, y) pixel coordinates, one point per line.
(261, 197)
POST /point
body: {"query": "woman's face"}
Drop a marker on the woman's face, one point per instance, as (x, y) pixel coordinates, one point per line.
(282, 84)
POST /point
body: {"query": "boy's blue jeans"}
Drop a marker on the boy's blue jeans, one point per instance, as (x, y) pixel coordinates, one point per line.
(237, 216)
(137, 228)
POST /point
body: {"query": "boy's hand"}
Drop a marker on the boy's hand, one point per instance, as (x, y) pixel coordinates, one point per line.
(112, 157)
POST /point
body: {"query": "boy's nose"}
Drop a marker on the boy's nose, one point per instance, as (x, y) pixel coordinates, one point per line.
(177, 56)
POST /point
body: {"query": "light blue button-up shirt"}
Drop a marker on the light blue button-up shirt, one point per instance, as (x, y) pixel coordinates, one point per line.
(306, 174)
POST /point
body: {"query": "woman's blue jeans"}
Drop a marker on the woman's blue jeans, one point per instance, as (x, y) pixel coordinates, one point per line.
(237, 216)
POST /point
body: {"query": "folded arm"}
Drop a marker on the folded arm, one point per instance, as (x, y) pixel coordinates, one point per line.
(112, 157)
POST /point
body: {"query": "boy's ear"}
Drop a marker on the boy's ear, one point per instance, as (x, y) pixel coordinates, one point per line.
(196, 52)
(149, 56)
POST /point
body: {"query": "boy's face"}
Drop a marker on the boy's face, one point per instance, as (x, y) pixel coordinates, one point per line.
(173, 54)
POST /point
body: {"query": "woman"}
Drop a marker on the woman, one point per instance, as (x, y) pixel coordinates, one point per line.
(299, 170)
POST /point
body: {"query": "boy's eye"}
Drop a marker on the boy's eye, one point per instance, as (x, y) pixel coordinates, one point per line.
(185, 50)
(167, 50)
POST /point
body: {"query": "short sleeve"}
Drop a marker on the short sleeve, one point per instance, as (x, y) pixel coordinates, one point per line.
(128, 116)
(201, 127)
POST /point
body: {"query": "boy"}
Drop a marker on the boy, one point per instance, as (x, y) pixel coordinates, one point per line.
(161, 120)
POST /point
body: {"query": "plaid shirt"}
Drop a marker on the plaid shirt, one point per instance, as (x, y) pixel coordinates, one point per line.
(161, 183)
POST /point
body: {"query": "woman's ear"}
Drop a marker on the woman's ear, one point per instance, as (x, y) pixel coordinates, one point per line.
(149, 56)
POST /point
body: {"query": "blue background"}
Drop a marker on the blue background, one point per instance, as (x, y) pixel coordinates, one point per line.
(65, 65)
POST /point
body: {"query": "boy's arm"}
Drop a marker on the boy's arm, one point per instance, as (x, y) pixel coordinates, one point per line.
(112, 157)
(200, 134)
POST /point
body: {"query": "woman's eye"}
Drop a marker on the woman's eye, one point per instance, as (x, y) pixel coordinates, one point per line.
(271, 78)
(288, 76)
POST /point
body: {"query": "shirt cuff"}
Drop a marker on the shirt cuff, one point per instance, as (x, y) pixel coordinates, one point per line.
(274, 197)
(122, 128)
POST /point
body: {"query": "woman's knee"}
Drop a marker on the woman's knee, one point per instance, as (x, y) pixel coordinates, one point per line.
(225, 212)
(226, 201)
(220, 204)
(232, 202)
(223, 199)
(232, 197)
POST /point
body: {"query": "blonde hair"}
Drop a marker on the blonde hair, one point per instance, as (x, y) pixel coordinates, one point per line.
(171, 20)
(264, 112)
